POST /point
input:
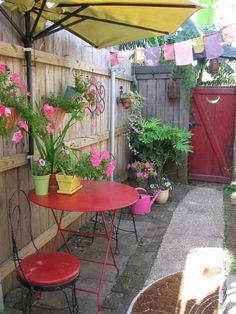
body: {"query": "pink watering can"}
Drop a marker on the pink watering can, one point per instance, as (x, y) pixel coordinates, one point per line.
(144, 203)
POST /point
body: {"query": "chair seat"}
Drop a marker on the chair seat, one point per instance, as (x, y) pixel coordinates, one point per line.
(48, 268)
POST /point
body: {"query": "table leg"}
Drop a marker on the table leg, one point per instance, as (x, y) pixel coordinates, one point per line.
(59, 231)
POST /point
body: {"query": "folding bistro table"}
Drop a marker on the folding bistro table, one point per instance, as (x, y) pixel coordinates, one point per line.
(94, 196)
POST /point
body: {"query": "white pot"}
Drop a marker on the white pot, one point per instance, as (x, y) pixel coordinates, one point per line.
(163, 197)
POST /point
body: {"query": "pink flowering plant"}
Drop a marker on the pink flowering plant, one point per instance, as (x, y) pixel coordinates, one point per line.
(142, 171)
(96, 166)
(13, 94)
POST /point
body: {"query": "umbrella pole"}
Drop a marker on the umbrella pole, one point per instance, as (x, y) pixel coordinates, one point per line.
(28, 60)
(112, 113)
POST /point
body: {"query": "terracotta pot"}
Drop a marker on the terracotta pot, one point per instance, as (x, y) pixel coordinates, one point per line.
(12, 118)
(53, 185)
(127, 104)
(163, 197)
(233, 201)
(58, 115)
(214, 66)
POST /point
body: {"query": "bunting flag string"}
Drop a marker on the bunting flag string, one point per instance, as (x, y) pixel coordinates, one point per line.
(207, 46)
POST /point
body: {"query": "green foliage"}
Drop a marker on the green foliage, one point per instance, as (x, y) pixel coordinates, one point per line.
(95, 166)
(231, 187)
(224, 77)
(206, 15)
(67, 162)
(69, 104)
(41, 167)
(150, 140)
(233, 264)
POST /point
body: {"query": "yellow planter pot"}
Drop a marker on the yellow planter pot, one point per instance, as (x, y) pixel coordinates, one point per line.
(68, 184)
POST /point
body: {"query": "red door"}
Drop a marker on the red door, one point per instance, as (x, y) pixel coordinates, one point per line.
(212, 125)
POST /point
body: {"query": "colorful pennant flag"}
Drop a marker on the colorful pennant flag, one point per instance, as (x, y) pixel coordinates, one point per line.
(183, 52)
(139, 55)
(169, 52)
(152, 56)
(213, 46)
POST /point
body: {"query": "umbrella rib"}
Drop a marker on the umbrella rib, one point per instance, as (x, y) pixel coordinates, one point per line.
(56, 24)
(10, 20)
(182, 6)
(84, 18)
(38, 17)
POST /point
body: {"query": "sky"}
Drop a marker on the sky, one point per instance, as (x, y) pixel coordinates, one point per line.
(225, 13)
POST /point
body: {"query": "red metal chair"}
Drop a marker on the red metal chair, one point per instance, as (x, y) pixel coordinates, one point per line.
(41, 271)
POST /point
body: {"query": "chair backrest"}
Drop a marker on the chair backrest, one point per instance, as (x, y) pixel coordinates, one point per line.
(19, 215)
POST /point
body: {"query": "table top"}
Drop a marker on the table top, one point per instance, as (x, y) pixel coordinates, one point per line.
(93, 196)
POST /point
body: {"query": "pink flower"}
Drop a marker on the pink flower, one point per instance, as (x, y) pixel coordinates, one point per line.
(48, 110)
(105, 155)
(86, 111)
(145, 175)
(28, 93)
(73, 97)
(110, 168)
(94, 81)
(2, 110)
(15, 78)
(128, 166)
(92, 150)
(139, 174)
(23, 125)
(95, 160)
(58, 127)
(3, 68)
(24, 87)
(7, 112)
(17, 137)
(49, 128)
(99, 107)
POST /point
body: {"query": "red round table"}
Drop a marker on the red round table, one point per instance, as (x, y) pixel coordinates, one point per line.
(94, 196)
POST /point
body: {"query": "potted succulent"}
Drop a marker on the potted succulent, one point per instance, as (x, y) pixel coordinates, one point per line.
(41, 174)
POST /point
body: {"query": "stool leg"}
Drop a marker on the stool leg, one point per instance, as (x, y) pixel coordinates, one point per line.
(135, 230)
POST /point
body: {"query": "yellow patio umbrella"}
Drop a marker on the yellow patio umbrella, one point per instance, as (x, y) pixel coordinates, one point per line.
(104, 23)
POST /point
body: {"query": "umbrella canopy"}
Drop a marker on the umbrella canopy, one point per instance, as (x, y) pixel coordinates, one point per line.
(103, 23)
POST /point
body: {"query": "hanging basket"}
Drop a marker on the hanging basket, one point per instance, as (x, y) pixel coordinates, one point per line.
(173, 90)
(213, 66)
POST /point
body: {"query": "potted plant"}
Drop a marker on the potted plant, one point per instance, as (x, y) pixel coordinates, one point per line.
(13, 100)
(41, 174)
(96, 166)
(68, 177)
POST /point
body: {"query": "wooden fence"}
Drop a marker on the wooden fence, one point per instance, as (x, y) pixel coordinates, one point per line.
(53, 59)
(152, 84)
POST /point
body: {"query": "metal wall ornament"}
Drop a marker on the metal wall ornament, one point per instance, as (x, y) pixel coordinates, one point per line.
(124, 99)
(98, 94)
(99, 99)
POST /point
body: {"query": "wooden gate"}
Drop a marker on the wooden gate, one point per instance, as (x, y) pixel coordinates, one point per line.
(212, 125)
